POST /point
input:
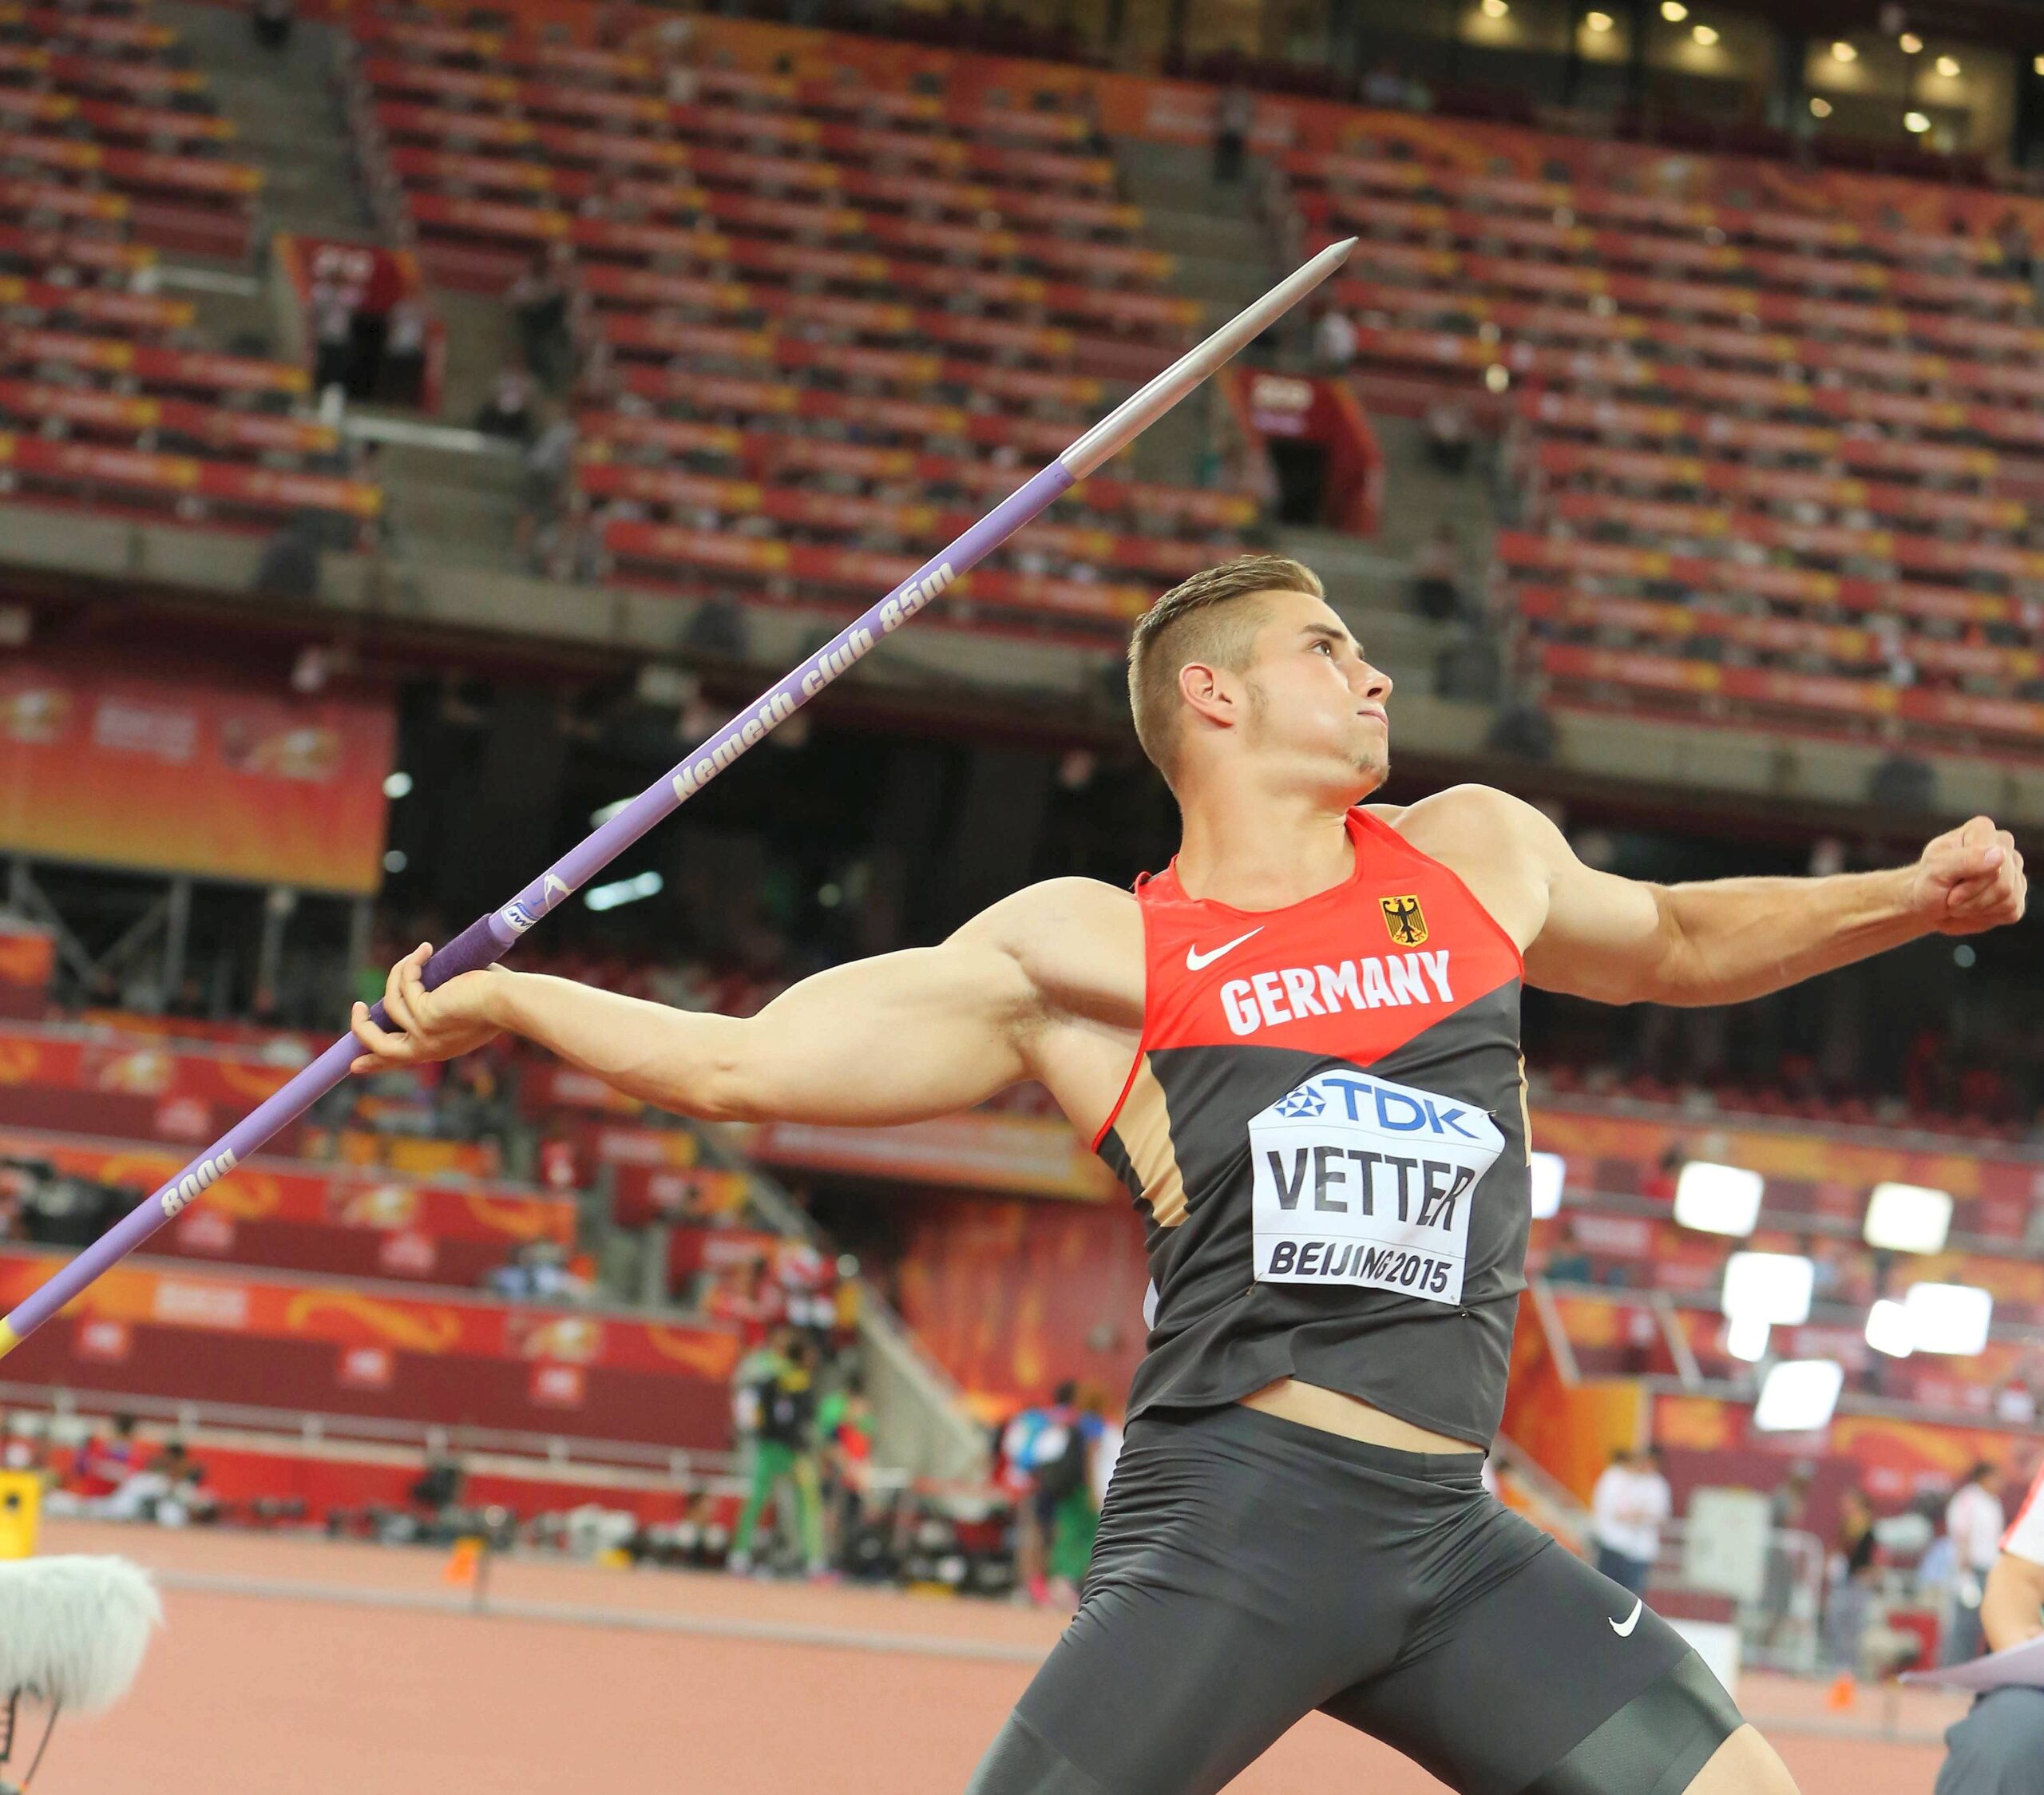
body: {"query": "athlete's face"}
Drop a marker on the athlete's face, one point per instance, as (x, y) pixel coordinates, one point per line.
(1315, 704)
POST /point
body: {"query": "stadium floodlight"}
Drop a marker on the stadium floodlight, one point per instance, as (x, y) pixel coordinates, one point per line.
(1799, 1395)
(1771, 1287)
(1916, 123)
(489, 938)
(1746, 1337)
(1890, 1330)
(1550, 1172)
(1951, 1318)
(1718, 1199)
(1909, 1217)
(624, 891)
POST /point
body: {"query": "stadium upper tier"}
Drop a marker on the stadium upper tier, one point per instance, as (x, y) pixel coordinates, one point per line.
(110, 151)
(891, 303)
(1773, 464)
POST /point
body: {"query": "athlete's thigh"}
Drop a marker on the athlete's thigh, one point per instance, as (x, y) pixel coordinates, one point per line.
(1998, 1748)
(1161, 1691)
(1554, 1681)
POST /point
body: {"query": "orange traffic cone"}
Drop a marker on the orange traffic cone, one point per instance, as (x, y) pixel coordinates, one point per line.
(1842, 1694)
(462, 1563)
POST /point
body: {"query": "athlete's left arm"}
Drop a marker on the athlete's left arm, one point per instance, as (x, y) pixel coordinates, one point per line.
(1623, 941)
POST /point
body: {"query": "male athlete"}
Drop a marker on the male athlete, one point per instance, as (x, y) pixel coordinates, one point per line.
(1299, 1047)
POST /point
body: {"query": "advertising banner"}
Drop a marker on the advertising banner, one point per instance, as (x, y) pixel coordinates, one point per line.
(116, 769)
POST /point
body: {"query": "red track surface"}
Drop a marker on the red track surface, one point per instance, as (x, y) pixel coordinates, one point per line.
(249, 1694)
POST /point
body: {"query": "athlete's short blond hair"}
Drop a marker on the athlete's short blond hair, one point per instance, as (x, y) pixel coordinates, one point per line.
(1202, 619)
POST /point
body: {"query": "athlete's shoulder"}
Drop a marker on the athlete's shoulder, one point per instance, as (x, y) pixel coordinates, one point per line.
(1470, 816)
(1060, 904)
(1078, 942)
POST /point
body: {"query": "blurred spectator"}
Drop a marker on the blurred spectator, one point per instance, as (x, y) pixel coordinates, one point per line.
(1787, 1512)
(333, 338)
(105, 1461)
(1233, 116)
(747, 1297)
(1437, 575)
(20, 1448)
(405, 335)
(1998, 1748)
(508, 411)
(1448, 442)
(1853, 1571)
(1628, 1508)
(170, 1491)
(540, 1273)
(1660, 1185)
(439, 1487)
(548, 463)
(1039, 1448)
(538, 302)
(272, 21)
(1334, 341)
(844, 1430)
(781, 1382)
(1974, 1521)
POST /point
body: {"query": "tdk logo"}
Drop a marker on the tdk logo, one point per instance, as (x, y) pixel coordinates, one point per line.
(1303, 1102)
(206, 1172)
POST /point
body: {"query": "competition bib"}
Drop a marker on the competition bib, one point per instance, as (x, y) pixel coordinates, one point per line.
(1362, 1182)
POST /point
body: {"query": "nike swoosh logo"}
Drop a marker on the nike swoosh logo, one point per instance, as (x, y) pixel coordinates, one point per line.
(1632, 1620)
(1196, 961)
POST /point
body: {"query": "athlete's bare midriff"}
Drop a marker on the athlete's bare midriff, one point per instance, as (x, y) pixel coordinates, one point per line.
(1332, 1413)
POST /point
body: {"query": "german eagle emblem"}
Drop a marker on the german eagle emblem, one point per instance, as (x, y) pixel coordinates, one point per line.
(1405, 920)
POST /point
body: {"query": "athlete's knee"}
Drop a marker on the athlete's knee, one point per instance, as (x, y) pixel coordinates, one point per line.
(1745, 1764)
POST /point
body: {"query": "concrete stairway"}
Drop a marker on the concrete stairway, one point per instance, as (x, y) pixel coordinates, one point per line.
(1223, 261)
(286, 107)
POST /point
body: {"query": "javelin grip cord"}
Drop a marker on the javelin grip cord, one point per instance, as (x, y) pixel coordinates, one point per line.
(489, 938)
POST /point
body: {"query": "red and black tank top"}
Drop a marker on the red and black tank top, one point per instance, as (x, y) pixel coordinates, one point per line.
(1325, 1130)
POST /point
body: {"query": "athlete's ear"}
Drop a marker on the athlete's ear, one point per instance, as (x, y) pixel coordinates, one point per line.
(1209, 692)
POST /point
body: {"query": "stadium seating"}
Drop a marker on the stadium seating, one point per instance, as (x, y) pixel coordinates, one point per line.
(110, 151)
(884, 300)
(98, 119)
(1773, 464)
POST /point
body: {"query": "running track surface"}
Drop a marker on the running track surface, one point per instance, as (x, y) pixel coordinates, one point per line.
(328, 1669)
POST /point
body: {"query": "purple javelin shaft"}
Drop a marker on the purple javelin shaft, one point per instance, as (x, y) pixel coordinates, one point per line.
(490, 937)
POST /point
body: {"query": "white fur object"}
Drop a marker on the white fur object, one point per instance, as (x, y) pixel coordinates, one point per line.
(73, 1629)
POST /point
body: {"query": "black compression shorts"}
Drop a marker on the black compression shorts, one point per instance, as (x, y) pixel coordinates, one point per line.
(1249, 1570)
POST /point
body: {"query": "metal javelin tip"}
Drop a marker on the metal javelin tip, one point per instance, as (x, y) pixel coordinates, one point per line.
(1134, 415)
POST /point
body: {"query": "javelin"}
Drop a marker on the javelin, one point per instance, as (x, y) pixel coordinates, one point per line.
(489, 938)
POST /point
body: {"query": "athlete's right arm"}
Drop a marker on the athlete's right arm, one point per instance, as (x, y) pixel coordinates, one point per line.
(898, 1038)
(2010, 1610)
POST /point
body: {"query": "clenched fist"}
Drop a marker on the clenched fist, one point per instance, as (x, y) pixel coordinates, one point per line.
(1969, 879)
(439, 1024)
